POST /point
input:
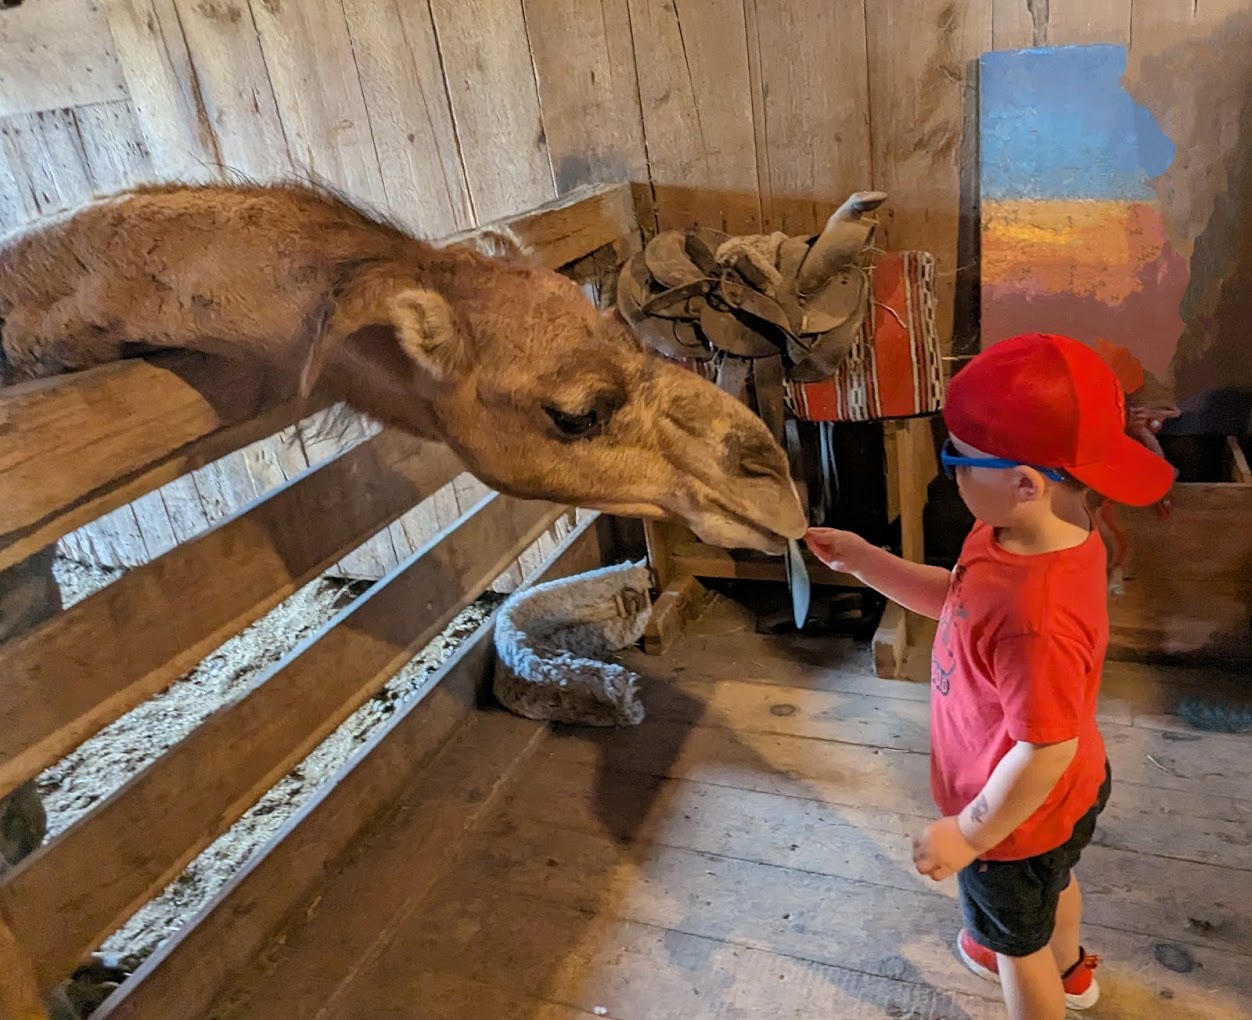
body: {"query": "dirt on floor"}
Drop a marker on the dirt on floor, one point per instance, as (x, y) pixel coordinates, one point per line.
(104, 763)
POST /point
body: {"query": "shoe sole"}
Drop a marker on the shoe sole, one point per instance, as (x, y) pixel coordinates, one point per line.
(975, 966)
(1078, 1002)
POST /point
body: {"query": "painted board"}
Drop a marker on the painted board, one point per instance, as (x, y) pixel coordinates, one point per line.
(1073, 236)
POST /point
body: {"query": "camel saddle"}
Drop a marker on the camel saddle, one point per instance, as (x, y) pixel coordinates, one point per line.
(763, 308)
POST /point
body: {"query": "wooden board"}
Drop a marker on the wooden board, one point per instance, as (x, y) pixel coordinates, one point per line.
(811, 108)
(584, 61)
(1188, 591)
(312, 70)
(180, 980)
(230, 83)
(117, 432)
(74, 891)
(1018, 24)
(54, 54)
(397, 58)
(19, 992)
(788, 911)
(161, 80)
(695, 94)
(922, 77)
(566, 229)
(109, 652)
(484, 52)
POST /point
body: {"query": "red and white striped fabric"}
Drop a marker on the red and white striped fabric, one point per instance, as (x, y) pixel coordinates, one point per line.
(894, 369)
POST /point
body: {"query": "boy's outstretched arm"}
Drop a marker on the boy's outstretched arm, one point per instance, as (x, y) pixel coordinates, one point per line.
(916, 586)
(1015, 790)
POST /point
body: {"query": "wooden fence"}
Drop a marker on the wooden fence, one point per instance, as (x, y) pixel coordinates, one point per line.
(77, 446)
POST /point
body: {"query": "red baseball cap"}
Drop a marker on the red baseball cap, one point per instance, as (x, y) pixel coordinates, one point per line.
(1051, 401)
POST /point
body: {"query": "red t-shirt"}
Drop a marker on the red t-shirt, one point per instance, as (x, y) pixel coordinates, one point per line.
(1018, 655)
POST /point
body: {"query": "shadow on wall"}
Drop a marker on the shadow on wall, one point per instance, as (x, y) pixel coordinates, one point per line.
(1200, 91)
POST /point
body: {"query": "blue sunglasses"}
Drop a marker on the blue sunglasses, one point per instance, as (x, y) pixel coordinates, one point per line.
(951, 460)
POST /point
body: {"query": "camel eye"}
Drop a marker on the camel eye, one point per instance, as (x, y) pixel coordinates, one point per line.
(579, 426)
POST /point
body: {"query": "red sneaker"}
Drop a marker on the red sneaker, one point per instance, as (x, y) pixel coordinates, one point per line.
(1081, 989)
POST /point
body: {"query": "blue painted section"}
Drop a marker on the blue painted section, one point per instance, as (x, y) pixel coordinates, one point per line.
(1057, 124)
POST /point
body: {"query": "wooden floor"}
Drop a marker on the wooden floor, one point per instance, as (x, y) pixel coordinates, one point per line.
(745, 853)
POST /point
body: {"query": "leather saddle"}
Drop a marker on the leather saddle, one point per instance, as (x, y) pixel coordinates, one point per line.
(763, 309)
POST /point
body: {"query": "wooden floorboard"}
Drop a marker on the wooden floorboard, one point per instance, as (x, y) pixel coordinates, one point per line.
(745, 853)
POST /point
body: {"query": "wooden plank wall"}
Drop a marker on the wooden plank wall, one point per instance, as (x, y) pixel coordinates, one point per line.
(753, 115)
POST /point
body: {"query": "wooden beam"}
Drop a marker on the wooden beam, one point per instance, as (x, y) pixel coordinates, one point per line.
(70, 895)
(109, 652)
(19, 992)
(181, 979)
(699, 560)
(76, 446)
(568, 228)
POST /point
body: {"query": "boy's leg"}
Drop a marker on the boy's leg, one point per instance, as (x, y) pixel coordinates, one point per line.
(1032, 986)
(1065, 936)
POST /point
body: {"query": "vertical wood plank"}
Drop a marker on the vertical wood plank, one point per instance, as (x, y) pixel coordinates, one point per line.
(695, 93)
(1081, 22)
(589, 90)
(486, 54)
(407, 101)
(114, 151)
(921, 56)
(308, 55)
(228, 70)
(45, 155)
(19, 991)
(813, 132)
(12, 208)
(1020, 24)
(164, 89)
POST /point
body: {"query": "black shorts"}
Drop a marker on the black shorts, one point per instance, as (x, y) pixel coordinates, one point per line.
(1010, 906)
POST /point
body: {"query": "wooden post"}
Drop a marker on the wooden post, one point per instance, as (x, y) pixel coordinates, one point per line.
(911, 465)
(19, 993)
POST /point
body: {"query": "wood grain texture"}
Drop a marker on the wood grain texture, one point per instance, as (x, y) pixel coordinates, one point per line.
(161, 81)
(696, 97)
(19, 992)
(313, 72)
(495, 104)
(73, 892)
(56, 54)
(114, 649)
(922, 57)
(181, 979)
(811, 109)
(1021, 24)
(397, 59)
(230, 84)
(589, 90)
(118, 432)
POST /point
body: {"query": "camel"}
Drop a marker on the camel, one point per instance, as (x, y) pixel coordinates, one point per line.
(508, 363)
(472, 344)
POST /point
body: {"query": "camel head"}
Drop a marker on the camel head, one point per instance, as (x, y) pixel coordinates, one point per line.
(543, 396)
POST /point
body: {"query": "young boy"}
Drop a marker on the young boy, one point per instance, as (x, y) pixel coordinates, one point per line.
(1018, 768)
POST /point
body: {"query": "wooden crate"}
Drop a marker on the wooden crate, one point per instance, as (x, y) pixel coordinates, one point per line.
(1188, 589)
(84, 667)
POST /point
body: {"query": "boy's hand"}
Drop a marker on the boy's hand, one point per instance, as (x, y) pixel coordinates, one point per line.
(839, 550)
(942, 849)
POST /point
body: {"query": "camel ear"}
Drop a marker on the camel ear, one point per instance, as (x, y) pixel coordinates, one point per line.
(427, 334)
